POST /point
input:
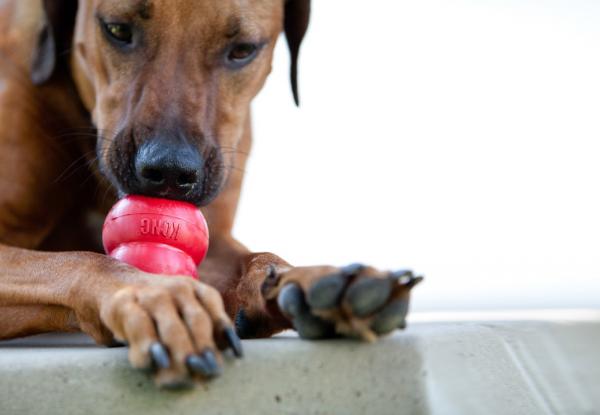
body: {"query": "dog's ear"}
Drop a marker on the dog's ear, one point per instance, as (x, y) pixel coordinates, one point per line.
(297, 13)
(54, 38)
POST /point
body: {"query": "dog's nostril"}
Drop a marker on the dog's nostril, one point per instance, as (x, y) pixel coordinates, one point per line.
(167, 168)
(186, 179)
(153, 175)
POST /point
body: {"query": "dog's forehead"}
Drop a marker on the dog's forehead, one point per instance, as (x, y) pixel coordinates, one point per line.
(125, 8)
(226, 12)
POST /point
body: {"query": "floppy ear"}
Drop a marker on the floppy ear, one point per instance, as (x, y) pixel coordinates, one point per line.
(54, 38)
(297, 13)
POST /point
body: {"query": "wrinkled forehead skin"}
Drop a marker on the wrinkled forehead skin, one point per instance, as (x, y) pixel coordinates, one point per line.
(202, 22)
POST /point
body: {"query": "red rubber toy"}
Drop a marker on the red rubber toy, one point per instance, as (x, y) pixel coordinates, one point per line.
(159, 236)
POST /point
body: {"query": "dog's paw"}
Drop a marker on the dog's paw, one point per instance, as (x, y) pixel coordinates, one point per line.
(353, 301)
(174, 326)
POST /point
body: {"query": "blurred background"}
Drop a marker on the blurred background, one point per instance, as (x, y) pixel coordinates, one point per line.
(459, 138)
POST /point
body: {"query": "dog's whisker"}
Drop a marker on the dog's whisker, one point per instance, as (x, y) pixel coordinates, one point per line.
(64, 175)
(86, 160)
(90, 176)
(73, 172)
(234, 168)
(235, 152)
(75, 134)
(106, 191)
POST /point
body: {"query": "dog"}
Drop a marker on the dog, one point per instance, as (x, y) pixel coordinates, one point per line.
(103, 98)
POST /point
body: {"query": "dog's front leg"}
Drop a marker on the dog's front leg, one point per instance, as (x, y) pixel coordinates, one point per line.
(239, 276)
(265, 295)
(174, 324)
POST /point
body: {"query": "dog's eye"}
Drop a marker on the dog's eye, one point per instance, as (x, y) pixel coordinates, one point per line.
(241, 54)
(121, 32)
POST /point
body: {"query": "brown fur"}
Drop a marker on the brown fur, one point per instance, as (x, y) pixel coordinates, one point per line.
(64, 144)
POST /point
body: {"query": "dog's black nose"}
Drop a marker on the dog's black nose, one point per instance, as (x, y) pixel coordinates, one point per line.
(169, 170)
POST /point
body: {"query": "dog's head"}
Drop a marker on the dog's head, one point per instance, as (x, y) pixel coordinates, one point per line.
(168, 82)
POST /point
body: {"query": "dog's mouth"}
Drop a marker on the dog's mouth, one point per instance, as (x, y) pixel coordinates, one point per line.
(169, 169)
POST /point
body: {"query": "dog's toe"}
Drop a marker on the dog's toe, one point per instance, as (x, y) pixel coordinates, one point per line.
(327, 292)
(311, 327)
(205, 364)
(391, 317)
(160, 356)
(367, 295)
(291, 300)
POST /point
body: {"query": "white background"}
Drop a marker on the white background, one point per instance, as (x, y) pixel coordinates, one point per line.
(458, 138)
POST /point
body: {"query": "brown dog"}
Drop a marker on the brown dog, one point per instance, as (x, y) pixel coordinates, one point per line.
(100, 98)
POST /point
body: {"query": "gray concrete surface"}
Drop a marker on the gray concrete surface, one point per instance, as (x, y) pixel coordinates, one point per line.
(549, 366)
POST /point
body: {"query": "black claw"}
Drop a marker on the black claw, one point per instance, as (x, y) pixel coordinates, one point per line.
(312, 328)
(352, 269)
(406, 278)
(206, 364)
(243, 326)
(160, 356)
(403, 275)
(213, 364)
(414, 281)
(234, 341)
(391, 317)
(291, 300)
(196, 365)
(368, 295)
(327, 292)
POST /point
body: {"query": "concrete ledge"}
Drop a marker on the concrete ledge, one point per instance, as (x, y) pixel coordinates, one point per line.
(518, 367)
